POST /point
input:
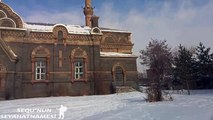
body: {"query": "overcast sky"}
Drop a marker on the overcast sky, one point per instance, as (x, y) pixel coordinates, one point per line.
(186, 22)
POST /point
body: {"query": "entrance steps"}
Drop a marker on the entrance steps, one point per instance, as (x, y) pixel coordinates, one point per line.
(124, 89)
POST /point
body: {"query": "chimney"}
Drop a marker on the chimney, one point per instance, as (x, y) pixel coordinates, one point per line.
(88, 12)
(94, 21)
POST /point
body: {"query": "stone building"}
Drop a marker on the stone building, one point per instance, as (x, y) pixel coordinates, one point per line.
(40, 60)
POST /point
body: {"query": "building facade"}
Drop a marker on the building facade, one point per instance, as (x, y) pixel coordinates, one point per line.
(41, 60)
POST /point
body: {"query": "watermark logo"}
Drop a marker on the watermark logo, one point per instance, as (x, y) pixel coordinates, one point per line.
(36, 113)
(62, 110)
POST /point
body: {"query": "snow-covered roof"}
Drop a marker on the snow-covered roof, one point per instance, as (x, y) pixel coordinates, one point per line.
(114, 30)
(72, 29)
(40, 27)
(115, 54)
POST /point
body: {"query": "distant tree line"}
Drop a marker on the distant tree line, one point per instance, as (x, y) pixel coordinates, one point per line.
(184, 68)
(193, 68)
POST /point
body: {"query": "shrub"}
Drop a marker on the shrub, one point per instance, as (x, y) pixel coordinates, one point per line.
(153, 94)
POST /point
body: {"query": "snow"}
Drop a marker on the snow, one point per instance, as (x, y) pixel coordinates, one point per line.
(117, 31)
(115, 54)
(41, 28)
(11, 51)
(74, 29)
(122, 106)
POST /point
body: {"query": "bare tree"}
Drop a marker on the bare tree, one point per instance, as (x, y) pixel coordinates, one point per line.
(158, 57)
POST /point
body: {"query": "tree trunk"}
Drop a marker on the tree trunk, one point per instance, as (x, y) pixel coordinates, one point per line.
(211, 83)
(187, 85)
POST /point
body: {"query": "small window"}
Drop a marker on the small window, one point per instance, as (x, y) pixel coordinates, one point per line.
(79, 70)
(40, 70)
(60, 37)
(96, 30)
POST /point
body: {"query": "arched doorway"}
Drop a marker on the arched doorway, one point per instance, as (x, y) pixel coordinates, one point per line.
(119, 75)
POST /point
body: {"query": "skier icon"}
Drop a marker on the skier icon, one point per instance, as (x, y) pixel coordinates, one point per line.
(62, 110)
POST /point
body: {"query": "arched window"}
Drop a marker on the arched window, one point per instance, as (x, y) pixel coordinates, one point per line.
(60, 33)
(109, 39)
(40, 64)
(78, 65)
(60, 36)
(96, 30)
(6, 22)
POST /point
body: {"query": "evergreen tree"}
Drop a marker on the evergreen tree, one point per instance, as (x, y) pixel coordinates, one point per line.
(204, 66)
(183, 70)
(211, 74)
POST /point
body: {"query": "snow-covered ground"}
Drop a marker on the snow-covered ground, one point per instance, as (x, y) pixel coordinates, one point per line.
(125, 106)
